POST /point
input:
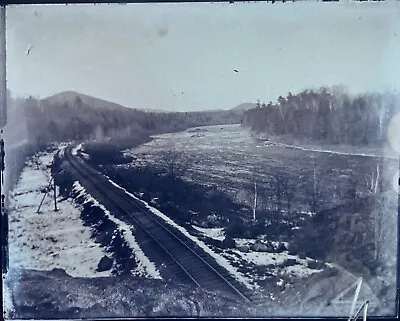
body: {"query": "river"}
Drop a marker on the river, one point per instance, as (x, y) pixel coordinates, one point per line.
(229, 158)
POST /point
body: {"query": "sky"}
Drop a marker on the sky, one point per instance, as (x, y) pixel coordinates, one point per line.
(183, 56)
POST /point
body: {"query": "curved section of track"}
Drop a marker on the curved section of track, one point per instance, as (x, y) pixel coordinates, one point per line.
(177, 257)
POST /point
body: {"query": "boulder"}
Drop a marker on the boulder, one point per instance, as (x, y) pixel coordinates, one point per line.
(243, 248)
(312, 264)
(59, 272)
(259, 246)
(228, 243)
(289, 262)
(302, 256)
(212, 218)
(105, 264)
(293, 249)
(270, 246)
(280, 248)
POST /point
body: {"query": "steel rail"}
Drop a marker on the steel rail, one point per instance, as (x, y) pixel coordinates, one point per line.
(90, 174)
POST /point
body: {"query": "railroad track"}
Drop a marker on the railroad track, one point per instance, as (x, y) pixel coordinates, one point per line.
(177, 257)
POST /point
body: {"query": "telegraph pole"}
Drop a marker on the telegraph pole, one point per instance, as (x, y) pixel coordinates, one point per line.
(55, 196)
(54, 186)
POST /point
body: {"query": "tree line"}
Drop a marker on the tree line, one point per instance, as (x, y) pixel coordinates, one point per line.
(48, 121)
(328, 115)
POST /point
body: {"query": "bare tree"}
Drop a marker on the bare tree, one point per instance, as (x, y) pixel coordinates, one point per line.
(255, 201)
(289, 191)
(277, 197)
(373, 180)
(315, 193)
(374, 184)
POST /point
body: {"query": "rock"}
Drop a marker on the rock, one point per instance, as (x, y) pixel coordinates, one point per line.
(212, 218)
(312, 264)
(280, 248)
(59, 272)
(289, 262)
(302, 256)
(105, 264)
(228, 243)
(270, 266)
(243, 248)
(293, 249)
(270, 247)
(258, 246)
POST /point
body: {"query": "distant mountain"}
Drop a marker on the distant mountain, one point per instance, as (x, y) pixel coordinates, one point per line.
(71, 97)
(74, 116)
(245, 106)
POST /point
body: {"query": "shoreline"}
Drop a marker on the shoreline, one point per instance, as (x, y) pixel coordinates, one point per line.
(346, 150)
(385, 151)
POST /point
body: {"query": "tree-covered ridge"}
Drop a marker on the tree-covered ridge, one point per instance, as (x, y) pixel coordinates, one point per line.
(328, 115)
(77, 118)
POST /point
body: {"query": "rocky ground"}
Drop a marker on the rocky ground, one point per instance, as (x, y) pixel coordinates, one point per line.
(56, 295)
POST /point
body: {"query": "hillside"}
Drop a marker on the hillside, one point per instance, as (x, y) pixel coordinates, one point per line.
(245, 106)
(73, 116)
(56, 295)
(67, 97)
(71, 96)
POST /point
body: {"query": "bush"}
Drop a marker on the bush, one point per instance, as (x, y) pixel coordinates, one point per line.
(236, 229)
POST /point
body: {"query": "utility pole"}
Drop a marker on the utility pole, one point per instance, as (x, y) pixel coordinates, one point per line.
(55, 195)
(54, 164)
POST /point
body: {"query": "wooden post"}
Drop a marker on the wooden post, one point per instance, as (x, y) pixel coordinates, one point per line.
(44, 196)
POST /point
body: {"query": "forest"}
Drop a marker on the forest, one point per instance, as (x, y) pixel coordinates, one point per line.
(79, 117)
(326, 115)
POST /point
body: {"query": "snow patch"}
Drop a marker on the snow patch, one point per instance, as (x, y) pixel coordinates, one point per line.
(48, 239)
(262, 258)
(8, 306)
(299, 270)
(75, 150)
(333, 152)
(61, 149)
(216, 233)
(272, 260)
(145, 268)
(85, 156)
